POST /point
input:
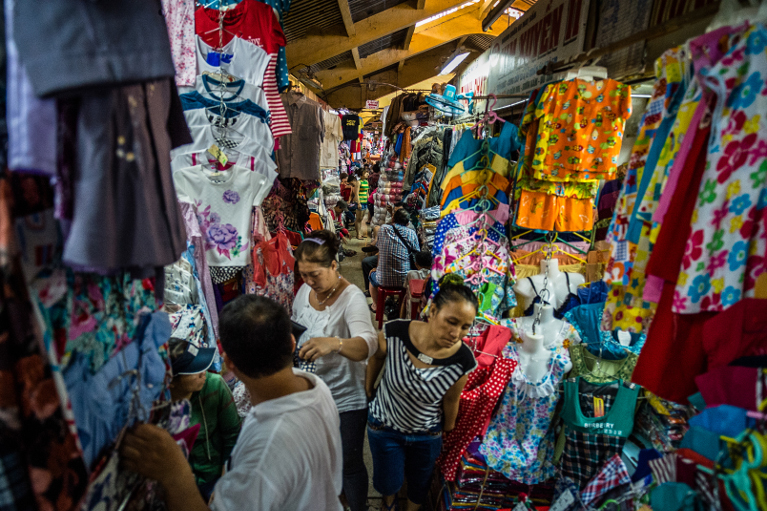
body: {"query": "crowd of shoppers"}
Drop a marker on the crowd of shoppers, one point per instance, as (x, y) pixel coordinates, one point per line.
(311, 385)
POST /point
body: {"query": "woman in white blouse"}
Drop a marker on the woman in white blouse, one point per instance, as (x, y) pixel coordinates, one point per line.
(336, 346)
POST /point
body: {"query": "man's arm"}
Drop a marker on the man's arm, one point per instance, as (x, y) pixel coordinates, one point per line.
(151, 452)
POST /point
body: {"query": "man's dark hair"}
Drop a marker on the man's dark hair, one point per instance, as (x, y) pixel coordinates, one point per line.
(400, 204)
(401, 217)
(423, 259)
(255, 334)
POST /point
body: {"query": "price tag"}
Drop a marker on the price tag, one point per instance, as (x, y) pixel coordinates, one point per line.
(563, 502)
(218, 154)
(599, 407)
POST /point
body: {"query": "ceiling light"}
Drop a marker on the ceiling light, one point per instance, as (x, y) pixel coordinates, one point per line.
(453, 63)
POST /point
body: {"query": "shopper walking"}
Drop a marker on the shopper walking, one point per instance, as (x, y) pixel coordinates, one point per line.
(340, 337)
(288, 455)
(212, 408)
(426, 367)
(361, 189)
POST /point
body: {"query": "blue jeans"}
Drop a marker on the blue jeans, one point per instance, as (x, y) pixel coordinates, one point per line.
(399, 456)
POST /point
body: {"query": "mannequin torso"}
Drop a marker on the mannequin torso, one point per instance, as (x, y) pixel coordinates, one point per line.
(527, 289)
(537, 349)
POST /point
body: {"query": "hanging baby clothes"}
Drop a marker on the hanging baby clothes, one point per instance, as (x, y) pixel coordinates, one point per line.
(479, 398)
(255, 23)
(520, 441)
(273, 275)
(728, 220)
(597, 370)
(223, 202)
(593, 439)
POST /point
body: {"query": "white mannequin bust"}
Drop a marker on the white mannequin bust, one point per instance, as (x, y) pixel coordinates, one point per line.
(549, 327)
(537, 349)
(557, 284)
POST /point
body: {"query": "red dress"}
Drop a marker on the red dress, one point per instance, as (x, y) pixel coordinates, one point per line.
(483, 389)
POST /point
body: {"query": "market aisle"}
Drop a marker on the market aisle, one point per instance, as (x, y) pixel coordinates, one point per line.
(352, 271)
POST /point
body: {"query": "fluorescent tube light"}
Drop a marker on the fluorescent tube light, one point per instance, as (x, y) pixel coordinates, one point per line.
(453, 63)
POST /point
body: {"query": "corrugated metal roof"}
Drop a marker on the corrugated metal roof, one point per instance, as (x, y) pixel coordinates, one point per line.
(362, 9)
(333, 62)
(307, 14)
(480, 41)
(393, 40)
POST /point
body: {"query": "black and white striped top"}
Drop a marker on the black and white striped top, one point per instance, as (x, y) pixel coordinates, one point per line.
(409, 399)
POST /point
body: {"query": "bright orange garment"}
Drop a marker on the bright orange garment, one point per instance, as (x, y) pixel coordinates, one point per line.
(581, 130)
(470, 181)
(406, 146)
(315, 222)
(538, 210)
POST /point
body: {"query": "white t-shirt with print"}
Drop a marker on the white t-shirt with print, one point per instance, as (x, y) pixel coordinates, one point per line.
(288, 456)
(223, 202)
(240, 150)
(246, 60)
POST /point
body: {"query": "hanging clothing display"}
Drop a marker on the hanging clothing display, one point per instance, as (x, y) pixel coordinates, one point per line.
(255, 23)
(592, 439)
(479, 398)
(520, 438)
(299, 154)
(332, 138)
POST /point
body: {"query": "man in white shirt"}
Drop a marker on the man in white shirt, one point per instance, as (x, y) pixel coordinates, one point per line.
(288, 455)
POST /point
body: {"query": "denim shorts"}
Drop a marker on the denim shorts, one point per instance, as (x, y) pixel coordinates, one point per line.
(390, 449)
(373, 279)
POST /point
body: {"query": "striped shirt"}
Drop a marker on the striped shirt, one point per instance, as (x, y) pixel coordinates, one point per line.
(364, 191)
(409, 399)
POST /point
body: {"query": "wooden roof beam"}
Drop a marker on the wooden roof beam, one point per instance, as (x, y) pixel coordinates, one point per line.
(346, 14)
(357, 62)
(455, 29)
(316, 48)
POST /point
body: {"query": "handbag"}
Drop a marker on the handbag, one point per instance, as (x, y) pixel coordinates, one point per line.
(411, 252)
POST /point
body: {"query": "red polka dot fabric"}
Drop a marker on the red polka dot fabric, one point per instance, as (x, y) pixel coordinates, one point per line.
(478, 400)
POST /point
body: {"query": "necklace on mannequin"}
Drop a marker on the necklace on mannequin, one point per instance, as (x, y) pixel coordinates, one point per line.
(330, 294)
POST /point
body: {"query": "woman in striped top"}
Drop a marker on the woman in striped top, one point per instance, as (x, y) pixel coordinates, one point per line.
(426, 369)
(362, 200)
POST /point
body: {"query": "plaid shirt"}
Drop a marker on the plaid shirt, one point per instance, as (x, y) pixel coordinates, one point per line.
(394, 256)
(586, 453)
(612, 475)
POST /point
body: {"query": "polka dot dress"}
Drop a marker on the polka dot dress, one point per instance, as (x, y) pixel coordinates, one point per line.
(484, 388)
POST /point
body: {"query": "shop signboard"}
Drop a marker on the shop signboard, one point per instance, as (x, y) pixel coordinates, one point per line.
(371, 104)
(551, 30)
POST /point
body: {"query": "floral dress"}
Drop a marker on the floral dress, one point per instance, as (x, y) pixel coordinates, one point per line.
(520, 442)
(725, 251)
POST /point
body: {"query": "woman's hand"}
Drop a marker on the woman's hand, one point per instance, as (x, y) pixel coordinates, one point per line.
(318, 347)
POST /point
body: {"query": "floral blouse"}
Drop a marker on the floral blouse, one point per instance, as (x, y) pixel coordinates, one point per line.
(726, 248)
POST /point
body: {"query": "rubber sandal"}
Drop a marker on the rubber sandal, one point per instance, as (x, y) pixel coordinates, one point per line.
(370, 306)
